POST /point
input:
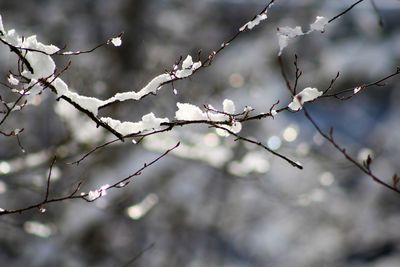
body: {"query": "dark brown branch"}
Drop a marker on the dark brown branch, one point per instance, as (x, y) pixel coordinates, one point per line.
(123, 182)
(284, 75)
(332, 83)
(18, 50)
(48, 179)
(298, 74)
(94, 150)
(342, 94)
(205, 63)
(212, 55)
(365, 168)
(240, 117)
(84, 196)
(258, 143)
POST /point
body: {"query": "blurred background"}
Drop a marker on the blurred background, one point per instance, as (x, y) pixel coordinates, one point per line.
(214, 201)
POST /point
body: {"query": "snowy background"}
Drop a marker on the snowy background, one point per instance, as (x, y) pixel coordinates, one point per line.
(215, 202)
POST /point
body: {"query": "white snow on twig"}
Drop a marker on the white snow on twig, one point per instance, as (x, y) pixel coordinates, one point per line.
(287, 33)
(252, 23)
(117, 41)
(229, 106)
(151, 88)
(93, 104)
(41, 63)
(102, 191)
(190, 112)
(149, 122)
(357, 89)
(44, 67)
(188, 67)
(308, 94)
(12, 80)
(319, 24)
(1, 25)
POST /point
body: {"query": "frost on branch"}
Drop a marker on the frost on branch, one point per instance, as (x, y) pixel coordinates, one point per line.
(308, 94)
(287, 33)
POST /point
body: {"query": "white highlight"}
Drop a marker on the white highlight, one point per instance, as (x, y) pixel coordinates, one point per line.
(139, 210)
(4, 167)
(228, 106)
(37, 229)
(274, 142)
(326, 179)
(290, 134)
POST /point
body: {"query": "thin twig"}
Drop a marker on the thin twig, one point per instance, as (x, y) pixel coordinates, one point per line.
(84, 196)
(138, 255)
(284, 75)
(345, 11)
(363, 167)
(342, 93)
(378, 14)
(48, 179)
(258, 143)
